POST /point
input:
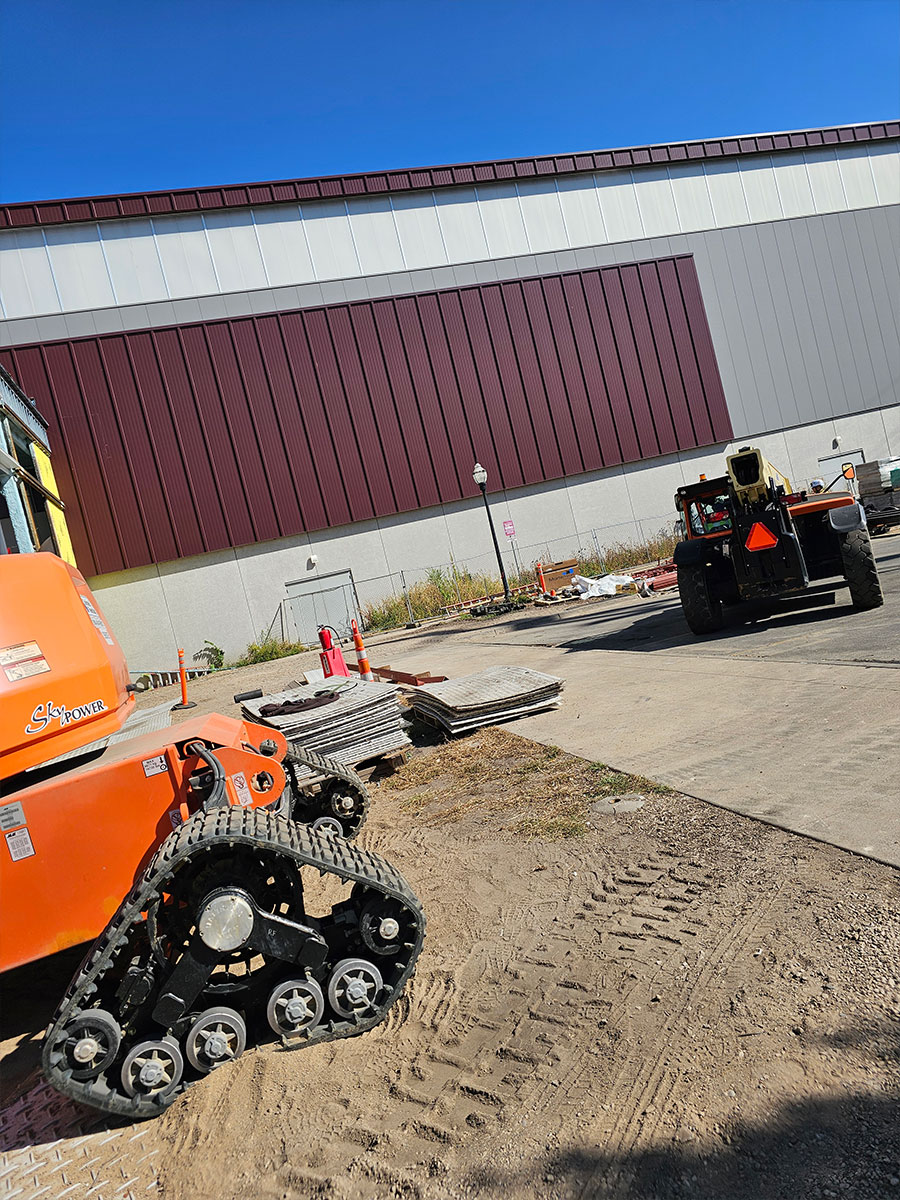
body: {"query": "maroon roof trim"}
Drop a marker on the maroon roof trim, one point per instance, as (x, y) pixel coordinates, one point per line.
(108, 208)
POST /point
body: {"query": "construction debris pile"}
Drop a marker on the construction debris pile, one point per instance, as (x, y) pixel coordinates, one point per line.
(363, 720)
(486, 698)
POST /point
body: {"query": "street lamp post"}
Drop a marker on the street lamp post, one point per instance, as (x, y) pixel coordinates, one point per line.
(479, 474)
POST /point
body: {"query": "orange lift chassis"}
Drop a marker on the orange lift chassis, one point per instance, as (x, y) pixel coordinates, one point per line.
(180, 852)
(749, 538)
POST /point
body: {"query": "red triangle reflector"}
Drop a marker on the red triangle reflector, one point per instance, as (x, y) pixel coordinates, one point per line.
(760, 537)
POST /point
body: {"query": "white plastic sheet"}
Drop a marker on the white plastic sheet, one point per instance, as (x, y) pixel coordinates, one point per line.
(604, 586)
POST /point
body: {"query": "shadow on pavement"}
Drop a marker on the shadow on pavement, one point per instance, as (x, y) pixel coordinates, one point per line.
(666, 630)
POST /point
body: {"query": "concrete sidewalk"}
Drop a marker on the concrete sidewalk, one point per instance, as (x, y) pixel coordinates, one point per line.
(807, 743)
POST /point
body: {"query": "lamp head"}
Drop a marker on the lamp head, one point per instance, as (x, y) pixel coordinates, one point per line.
(479, 474)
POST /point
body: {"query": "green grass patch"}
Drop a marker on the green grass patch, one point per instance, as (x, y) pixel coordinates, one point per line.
(266, 648)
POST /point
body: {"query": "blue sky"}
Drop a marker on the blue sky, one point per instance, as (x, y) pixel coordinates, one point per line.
(116, 97)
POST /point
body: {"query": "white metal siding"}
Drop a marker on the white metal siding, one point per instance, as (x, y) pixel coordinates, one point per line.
(91, 266)
(185, 257)
(132, 256)
(619, 206)
(580, 205)
(419, 230)
(79, 267)
(693, 207)
(235, 251)
(26, 277)
(282, 240)
(330, 239)
(544, 222)
(375, 235)
(461, 225)
(501, 215)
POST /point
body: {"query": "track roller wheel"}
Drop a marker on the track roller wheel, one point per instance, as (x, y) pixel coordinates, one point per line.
(92, 1041)
(328, 825)
(295, 1006)
(354, 987)
(218, 1036)
(152, 1068)
(381, 926)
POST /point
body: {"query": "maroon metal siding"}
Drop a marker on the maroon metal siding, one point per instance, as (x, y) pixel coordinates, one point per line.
(107, 208)
(172, 442)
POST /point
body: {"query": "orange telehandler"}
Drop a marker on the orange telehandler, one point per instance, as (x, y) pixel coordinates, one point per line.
(179, 852)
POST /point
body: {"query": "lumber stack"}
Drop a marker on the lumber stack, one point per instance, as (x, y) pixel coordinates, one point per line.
(486, 698)
(365, 720)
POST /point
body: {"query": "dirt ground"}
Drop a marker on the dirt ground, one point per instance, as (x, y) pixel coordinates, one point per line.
(645, 998)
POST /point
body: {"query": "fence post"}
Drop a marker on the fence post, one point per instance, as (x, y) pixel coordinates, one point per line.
(413, 623)
(456, 580)
(512, 543)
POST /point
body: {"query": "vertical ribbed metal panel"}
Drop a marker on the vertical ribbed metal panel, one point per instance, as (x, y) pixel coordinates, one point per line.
(172, 442)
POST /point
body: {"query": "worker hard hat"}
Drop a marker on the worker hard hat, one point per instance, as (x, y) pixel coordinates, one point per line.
(817, 485)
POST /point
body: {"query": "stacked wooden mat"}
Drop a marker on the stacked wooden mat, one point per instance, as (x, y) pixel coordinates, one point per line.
(365, 720)
(486, 698)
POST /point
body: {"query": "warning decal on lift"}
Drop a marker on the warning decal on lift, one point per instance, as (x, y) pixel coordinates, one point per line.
(23, 661)
(19, 844)
(12, 815)
(154, 766)
(240, 786)
(97, 621)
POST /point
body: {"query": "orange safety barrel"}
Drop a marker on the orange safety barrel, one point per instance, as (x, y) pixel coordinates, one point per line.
(63, 676)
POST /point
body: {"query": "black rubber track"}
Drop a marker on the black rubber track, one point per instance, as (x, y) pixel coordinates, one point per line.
(860, 570)
(125, 937)
(702, 613)
(310, 797)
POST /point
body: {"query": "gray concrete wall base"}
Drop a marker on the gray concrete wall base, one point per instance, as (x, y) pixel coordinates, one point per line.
(232, 596)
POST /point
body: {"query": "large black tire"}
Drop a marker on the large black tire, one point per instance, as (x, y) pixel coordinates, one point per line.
(860, 570)
(702, 613)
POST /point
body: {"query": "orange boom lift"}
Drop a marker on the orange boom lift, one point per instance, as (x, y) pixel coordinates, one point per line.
(179, 852)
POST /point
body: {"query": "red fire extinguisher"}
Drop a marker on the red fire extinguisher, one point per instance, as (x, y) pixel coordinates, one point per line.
(330, 655)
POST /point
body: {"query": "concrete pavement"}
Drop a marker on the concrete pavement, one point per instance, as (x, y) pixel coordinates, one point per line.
(793, 720)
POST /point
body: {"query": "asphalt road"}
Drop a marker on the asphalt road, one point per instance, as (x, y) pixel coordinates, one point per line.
(833, 633)
(792, 719)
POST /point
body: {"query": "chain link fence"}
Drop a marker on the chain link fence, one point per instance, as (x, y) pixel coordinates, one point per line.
(420, 592)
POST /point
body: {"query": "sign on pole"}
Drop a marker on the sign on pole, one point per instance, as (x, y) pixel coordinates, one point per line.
(509, 529)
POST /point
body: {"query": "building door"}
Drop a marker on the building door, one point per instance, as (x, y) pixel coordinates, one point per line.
(325, 600)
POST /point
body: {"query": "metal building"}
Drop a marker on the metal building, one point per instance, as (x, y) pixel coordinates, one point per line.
(254, 390)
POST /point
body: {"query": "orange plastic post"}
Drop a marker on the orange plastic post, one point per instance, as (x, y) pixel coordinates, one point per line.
(185, 703)
(540, 575)
(365, 670)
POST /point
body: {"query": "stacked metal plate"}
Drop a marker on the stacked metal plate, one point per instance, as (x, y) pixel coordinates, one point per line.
(486, 698)
(365, 720)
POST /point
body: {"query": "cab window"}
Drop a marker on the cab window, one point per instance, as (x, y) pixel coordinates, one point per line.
(709, 514)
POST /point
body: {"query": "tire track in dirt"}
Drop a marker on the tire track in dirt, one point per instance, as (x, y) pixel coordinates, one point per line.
(502, 1036)
(651, 1083)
